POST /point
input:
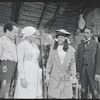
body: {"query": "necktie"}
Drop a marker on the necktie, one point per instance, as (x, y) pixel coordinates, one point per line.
(86, 43)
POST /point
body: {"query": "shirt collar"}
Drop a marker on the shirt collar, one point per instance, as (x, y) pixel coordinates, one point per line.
(7, 38)
(88, 40)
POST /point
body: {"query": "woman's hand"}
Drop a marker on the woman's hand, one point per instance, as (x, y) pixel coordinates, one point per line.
(24, 83)
(47, 80)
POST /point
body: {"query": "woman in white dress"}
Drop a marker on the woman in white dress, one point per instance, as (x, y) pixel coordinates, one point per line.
(29, 73)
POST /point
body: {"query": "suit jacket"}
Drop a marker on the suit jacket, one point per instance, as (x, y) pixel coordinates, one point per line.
(55, 69)
(93, 50)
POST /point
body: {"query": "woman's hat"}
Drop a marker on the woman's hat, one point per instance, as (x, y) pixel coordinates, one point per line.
(27, 31)
(62, 32)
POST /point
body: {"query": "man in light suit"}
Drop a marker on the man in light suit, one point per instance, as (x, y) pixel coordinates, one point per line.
(61, 67)
(88, 63)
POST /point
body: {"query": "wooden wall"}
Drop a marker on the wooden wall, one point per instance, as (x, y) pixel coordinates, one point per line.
(43, 15)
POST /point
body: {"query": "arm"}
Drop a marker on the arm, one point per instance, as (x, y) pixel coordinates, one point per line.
(77, 60)
(20, 51)
(49, 62)
(1, 47)
(73, 69)
(98, 60)
(49, 67)
(1, 50)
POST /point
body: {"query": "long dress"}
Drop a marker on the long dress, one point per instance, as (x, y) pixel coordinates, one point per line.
(28, 67)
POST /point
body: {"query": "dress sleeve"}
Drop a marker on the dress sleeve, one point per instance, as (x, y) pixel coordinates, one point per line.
(1, 47)
(73, 65)
(20, 50)
(98, 60)
(49, 62)
(73, 68)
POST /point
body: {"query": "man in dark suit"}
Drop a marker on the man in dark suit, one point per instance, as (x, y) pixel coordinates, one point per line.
(88, 63)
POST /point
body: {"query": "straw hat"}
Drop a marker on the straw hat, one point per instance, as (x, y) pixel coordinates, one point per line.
(62, 32)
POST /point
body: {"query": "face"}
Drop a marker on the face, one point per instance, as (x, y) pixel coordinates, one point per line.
(61, 39)
(33, 37)
(13, 33)
(87, 34)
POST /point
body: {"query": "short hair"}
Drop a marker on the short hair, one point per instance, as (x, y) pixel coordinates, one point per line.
(9, 26)
(90, 28)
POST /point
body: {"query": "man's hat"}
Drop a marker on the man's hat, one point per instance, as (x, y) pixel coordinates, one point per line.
(62, 32)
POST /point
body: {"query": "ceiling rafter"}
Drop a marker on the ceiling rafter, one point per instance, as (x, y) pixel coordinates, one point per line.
(16, 6)
(70, 16)
(42, 14)
(55, 15)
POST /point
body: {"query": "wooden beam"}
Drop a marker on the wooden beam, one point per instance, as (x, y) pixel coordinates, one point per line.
(13, 10)
(55, 15)
(42, 14)
(70, 16)
(79, 6)
(16, 6)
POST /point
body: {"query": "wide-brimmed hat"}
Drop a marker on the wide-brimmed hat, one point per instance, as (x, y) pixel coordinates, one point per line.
(62, 32)
(27, 31)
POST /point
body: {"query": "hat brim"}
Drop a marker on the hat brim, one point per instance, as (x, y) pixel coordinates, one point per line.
(61, 34)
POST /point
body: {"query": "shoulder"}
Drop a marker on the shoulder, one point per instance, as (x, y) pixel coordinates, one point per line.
(1, 41)
(82, 42)
(21, 44)
(97, 44)
(72, 48)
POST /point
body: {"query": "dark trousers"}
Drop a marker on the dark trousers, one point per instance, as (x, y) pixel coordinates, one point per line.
(87, 80)
(8, 76)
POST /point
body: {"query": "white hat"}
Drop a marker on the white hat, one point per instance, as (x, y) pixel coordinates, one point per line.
(63, 31)
(27, 31)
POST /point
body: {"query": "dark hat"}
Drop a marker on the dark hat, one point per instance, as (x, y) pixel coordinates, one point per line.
(62, 32)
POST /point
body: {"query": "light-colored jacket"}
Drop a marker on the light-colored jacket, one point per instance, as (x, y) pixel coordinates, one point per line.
(60, 88)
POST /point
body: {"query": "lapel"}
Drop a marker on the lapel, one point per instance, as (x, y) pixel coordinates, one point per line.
(67, 59)
(90, 45)
(82, 47)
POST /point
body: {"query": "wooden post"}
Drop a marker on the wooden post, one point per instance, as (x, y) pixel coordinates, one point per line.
(42, 51)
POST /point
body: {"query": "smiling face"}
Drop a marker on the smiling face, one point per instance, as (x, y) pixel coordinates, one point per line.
(33, 37)
(87, 34)
(61, 39)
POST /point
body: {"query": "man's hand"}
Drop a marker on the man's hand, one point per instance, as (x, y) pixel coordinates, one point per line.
(97, 77)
